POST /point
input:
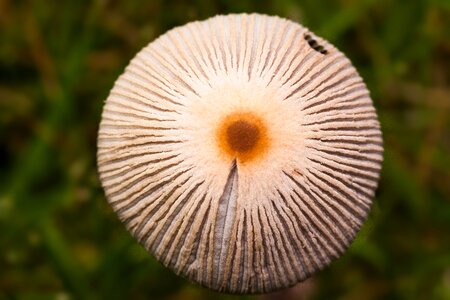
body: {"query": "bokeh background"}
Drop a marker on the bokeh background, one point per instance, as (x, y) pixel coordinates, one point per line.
(59, 239)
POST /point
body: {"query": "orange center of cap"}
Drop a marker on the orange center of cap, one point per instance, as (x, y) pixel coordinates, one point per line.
(242, 136)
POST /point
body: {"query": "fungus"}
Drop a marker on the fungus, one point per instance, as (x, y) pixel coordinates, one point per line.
(242, 152)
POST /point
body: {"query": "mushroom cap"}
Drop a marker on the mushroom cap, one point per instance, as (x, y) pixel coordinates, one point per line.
(242, 152)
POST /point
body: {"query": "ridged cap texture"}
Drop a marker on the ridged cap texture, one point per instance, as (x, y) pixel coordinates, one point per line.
(242, 151)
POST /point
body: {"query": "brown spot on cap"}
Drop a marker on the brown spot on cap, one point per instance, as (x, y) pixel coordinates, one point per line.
(242, 136)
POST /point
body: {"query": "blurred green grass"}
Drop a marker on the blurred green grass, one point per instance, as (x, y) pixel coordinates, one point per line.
(59, 239)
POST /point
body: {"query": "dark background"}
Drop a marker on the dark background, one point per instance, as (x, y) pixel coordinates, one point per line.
(59, 239)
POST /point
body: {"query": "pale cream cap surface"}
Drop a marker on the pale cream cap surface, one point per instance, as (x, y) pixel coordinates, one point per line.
(243, 152)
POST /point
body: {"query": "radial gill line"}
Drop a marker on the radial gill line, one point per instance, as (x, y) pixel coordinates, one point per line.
(226, 214)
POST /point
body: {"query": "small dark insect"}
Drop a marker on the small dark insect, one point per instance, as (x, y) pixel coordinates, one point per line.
(313, 44)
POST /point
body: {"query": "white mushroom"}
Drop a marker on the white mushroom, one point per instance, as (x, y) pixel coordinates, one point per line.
(242, 152)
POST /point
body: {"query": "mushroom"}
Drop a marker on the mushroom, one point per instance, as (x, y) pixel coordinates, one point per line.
(242, 152)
